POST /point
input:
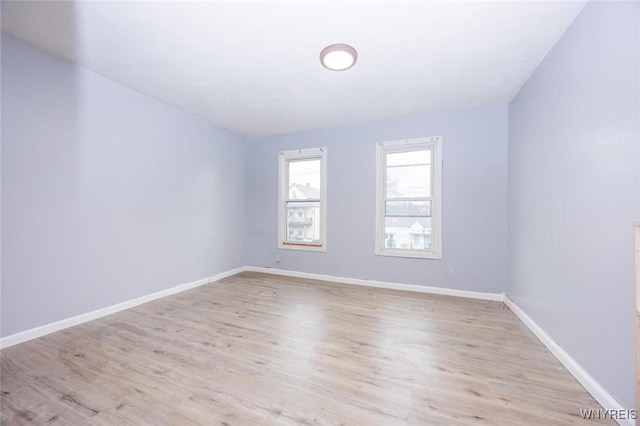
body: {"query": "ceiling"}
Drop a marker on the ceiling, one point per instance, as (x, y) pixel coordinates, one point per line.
(253, 67)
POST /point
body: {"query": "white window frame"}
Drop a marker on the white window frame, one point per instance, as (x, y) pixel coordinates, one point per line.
(433, 143)
(283, 193)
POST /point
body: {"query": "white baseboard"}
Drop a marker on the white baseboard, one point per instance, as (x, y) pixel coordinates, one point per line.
(43, 330)
(225, 274)
(596, 390)
(499, 297)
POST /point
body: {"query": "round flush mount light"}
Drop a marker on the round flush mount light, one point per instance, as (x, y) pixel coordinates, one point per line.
(338, 57)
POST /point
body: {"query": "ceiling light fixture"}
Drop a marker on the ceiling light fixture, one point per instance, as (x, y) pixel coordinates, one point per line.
(338, 57)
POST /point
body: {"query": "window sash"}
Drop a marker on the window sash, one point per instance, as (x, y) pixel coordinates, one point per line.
(303, 226)
(386, 151)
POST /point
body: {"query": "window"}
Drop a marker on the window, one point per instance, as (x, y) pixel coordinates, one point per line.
(302, 199)
(409, 198)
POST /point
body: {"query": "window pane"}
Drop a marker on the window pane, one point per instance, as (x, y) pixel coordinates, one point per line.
(304, 179)
(409, 158)
(408, 208)
(303, 222)
(401, 232)
(409, 181)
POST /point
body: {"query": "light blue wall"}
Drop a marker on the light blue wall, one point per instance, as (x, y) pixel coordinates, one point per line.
(107, 194)
(574, 188)
(474, 206)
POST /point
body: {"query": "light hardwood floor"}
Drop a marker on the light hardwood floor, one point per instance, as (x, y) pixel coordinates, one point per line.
(268, 350)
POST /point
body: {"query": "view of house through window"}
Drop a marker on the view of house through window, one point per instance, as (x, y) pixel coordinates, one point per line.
(407, 208)
(303, 203)
(408, 198)
(302, 199)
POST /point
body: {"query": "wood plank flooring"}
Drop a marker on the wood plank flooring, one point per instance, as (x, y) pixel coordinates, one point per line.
(255, 349)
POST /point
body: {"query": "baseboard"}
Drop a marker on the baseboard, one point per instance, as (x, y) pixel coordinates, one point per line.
(596, 390)
(43, 330)
(225, 274)
(499, 297)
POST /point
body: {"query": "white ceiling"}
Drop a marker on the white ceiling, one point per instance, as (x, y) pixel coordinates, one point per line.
(253, 67)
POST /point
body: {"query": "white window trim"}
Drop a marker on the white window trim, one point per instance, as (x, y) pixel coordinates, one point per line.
(301, 154)
(435, 143)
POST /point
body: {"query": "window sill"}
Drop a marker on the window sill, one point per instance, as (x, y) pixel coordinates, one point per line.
(409, 253)
(303, 247)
